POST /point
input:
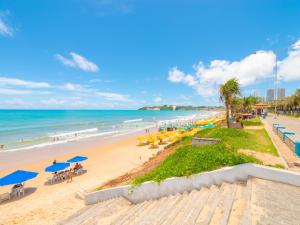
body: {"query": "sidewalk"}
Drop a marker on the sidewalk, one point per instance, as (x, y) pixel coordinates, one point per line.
(291, 124)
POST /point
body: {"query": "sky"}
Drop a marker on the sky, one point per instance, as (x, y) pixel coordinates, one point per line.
(125, 54)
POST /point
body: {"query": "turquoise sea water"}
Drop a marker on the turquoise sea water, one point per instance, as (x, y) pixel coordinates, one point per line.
(23, 129)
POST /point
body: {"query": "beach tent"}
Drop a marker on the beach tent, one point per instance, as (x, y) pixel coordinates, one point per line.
(77, 159)
(57, 167)
(17, 177)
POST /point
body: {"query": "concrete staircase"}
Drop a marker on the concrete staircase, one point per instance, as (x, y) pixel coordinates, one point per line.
(253, 202)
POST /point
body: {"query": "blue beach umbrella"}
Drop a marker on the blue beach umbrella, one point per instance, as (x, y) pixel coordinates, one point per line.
(17, 177)
(57, 167)
(77, 159)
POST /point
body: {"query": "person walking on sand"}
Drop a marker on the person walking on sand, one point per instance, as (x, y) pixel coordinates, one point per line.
(70, 175)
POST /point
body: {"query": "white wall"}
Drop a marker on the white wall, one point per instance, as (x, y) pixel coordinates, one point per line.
(171, 186)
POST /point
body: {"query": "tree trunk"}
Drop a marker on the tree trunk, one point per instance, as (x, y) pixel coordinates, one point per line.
(227, 115)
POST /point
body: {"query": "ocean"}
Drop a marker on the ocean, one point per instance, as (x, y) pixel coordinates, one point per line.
(27, 129)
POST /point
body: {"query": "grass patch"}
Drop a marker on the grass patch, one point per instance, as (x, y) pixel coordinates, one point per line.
(188, 160)
(252, 122)
(257, 140)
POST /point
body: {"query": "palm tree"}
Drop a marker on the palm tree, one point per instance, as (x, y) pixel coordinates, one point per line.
(228, 91)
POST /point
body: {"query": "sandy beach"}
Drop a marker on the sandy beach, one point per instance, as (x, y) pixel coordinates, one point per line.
(50, 204)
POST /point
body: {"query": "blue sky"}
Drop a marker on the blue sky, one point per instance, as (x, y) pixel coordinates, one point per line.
(126, 54)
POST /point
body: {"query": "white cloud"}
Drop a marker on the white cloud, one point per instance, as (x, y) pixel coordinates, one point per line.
(95, 80)
(113, 96)
(5, 29)
(53, 102)
(15, 102)
(8, 91)
(65, 61)
(207, 78)
(99, 80)
(77, 61)
(72, 87)
(83, 63)
(5, 81)
(289, 68)
(157, 99)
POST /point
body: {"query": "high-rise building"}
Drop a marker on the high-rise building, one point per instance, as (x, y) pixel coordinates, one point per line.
(280, 94)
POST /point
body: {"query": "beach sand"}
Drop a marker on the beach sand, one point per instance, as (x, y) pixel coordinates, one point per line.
(50, 204)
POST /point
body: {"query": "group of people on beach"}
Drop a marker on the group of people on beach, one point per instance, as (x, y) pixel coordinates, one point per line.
(68, 174)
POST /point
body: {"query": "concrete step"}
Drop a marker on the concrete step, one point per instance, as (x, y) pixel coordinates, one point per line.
(273, 202)
(173, 212)
(147, 217)
(222, 212)
(131, 213)
(241, 212)
(165, 213)
(196, 207)
(210, 206)
(256, 202)
(180, 217)
(110, 210)
(161, 208)
(92, 214)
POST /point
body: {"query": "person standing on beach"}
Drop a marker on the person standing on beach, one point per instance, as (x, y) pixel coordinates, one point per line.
(70, 175)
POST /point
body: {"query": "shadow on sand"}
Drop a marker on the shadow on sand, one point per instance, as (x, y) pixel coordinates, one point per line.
(28, 191)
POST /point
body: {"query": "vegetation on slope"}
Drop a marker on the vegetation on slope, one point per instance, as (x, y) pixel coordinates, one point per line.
(188, 160)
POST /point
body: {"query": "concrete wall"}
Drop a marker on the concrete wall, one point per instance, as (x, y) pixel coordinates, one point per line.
(290, 142)
(171, 186)
(237, 125)
(288, 138)
(204, 141)
(280, 133)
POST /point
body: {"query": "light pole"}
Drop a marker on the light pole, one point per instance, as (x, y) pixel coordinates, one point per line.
(275, 87)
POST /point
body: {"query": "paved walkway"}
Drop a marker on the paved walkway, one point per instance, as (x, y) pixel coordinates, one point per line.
(292, 125)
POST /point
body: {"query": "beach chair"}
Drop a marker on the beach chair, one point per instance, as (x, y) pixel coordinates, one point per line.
(51, 180)
(18, 192)
(21, 191)
(80, 171)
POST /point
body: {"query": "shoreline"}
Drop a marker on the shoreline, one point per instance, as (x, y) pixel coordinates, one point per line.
(34, 155)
